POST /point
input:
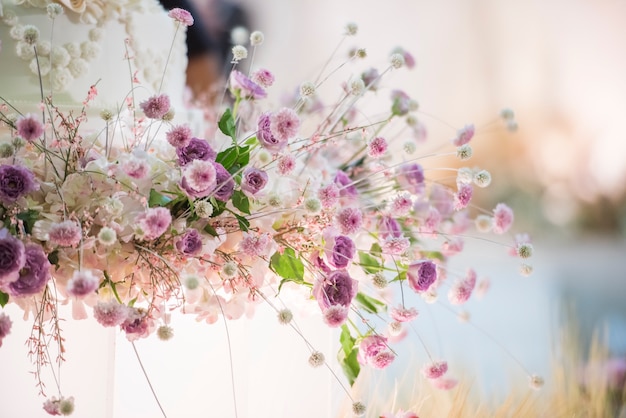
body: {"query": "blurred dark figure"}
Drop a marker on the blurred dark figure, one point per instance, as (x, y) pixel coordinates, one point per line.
(209, 40)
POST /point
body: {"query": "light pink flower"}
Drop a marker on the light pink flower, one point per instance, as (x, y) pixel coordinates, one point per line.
(136, 168)
(350, 220)
(403, 314)
(335, 315)
(199, 178)
(463, 136)
(181, 15)
(461, 291)
(5, 326)
(263, 77)
(29, 128)
(110, 314)
(284, 124)
(400, 414)
(401, 205)
(395, 245)
(328, 195)
(286, 164)
(373, 351)
(82, 283)
(65, 234)
(435, 369)
(502, 218)
(254, 245)
(154, 222)
(156, 106)
(444, 383)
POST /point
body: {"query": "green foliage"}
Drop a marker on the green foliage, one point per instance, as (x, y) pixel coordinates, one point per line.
(288, 266)
(369, 303)
(347, 355)
(157, 199)
(4, 299)
(227, 124)
(28, 217)
(369, 263)
(241, 201)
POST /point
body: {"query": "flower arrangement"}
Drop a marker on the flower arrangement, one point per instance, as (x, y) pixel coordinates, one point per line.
(144, 218)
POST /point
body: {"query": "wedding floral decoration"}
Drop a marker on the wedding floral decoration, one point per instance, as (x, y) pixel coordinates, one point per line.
(144, 218)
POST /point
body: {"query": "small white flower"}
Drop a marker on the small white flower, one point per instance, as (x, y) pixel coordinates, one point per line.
(89, 50)
(356, 86)
(464, 152)
(239, 52)
(239, 35)
(30, 34)
(107, 236)
(307, 89)
(396, 60)
(351, 28)
(256, 38)
(482, 178)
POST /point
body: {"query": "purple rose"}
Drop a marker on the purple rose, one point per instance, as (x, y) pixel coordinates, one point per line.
(411, 178)
(189, 243)
(265, 136)
(15, 182)
(12, 258)
(342, 252)
(197, 149)
(421, 275)
(225, 183)
(319, 263)
(241, 85)
(338, 288)
(34, 275)
(345, 184)
(253, 181)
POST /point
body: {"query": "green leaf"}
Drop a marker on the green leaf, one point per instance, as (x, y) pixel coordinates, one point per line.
(227, 124)
(228, 157)
(287, 265)
(369, 303)
(210, 230)
(241, 201)
(375, 250)
(251, 141)
(53, 258)
(347, 355)
(4, 298)
(369, 263)
(244, 224)
(157, 199)
(400, 277)
(28, 218)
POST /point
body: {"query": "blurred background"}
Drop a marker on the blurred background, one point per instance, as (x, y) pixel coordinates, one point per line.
(560, 65)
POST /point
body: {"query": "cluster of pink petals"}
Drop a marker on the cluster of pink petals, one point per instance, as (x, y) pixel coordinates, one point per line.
(5, 326)
(65, 234)
(435, 369)
(82, 283)
(284, 124)
(154, 222)
(350, 220)
(374, 351)
(502, 218)
(29, 128)
(461, 291)
(156, 107)
(462, 196)
(463, 136)
(181, 15)
(403, 314)
(400, 414)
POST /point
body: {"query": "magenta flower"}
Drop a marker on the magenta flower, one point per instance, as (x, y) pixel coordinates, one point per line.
(389, 227)
(65, 234)
(181, 15)
(463, 196)
(463, 136)
(284, 124)
(266, 137)
(421, 275)
(34, 275)
(136, 168)
(225, 183)
(82, 283)
(337, 288)
(411, 178)
(242, 86)
(179, 136)
(342, 252)
(196, 149)
(377, 147)
(15, 181)
(435, 370)
(373, 351)
(5, 326)
(156, 106)
(350, 220)
(12, 258)
(255, 245)
(190, 243)
(110, 314)
(286, 164)
(29, 128)
(136, 324)
(253, 181)
(502, 218)
(329, 195)
(199, 178)
(154, 222)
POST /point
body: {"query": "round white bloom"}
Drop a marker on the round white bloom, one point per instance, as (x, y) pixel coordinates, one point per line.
(89, 50)
(107, 236)
(43, 48)
(54, 10)
(483, 223)
(61, 78)
(191, 282)
(464, 152)
(396, 60)
(96, 34)
(42, 68)
(482, 178)
(78, 67)
(239, 52)
(204, 209)
(351, 28)
(30, 34)
(465, 175)
(239, 35)
(256, 38)
(230, 269)
(17, 32)
(307, 89)
(73, 48)
(356, 86)
(409, 147)
(313, 204)
(24, 50)
(60, 57)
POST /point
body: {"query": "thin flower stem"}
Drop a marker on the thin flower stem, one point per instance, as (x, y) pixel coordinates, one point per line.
(156, 398)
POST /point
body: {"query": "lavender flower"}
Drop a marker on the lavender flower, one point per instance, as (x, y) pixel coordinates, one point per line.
(225, 183)
(242, 86)
(253, 181)
(342, 252)
(34, 275)
(389, 227)
(266, 137)
(15, 181)
(338, 288)
(411, 178)
(156, 106)
(12, 258)
(136, 323)
(190, 242)
(179, 136)
(345, 184)
(29, 128)
(421, 275)
(196, 149)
